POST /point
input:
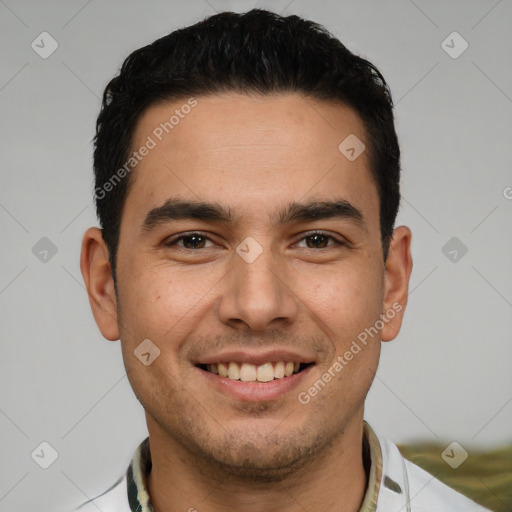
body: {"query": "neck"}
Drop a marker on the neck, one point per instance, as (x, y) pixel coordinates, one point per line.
(334, 481)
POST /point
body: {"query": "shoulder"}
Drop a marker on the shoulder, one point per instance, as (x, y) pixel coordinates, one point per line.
(114, 499)
(406, 485)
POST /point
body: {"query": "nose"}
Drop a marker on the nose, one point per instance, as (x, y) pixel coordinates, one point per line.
(257, 295)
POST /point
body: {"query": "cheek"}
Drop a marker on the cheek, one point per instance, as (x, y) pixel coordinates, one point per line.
(164, 304)
(151, 309)
(347, 300)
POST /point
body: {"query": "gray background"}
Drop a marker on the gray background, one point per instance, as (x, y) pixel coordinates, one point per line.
(446, 377)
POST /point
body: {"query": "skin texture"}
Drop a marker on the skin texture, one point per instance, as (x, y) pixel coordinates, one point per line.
(210, 450)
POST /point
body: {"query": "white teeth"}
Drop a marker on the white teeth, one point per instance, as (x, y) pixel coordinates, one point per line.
(247, 372)
(279, 370)
(233, 371)
(223, 371)
(265, 372)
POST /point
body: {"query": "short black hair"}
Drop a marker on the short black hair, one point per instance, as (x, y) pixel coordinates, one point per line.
(257, 52)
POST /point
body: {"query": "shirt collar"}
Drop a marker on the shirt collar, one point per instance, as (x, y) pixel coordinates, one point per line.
(140, 467)
(136, 477)
(373, 456)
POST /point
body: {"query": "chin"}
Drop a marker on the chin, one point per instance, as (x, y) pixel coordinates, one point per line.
(271, 458)
(257, 451)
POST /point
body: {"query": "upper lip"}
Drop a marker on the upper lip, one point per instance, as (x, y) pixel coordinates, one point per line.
(257, 358)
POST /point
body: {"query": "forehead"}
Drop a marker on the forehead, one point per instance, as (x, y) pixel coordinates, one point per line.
(250, 153)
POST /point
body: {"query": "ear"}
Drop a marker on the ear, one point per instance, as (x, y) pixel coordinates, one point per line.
(97, 276)
(396, 282)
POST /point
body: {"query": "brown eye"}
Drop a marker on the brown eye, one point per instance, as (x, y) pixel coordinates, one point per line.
(190, 241)
(319, 240)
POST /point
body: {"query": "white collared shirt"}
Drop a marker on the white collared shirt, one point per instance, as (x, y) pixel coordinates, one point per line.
(394, 485)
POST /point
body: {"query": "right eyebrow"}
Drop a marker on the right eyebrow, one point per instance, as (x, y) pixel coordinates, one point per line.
(177, 209)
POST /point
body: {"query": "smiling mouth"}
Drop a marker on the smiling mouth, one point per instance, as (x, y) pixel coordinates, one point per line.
(246, 372)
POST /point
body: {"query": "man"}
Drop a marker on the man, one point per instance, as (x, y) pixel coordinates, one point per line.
(247, 184)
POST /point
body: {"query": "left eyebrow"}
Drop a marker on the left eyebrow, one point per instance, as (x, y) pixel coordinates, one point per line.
(318, 210)
(178, 209)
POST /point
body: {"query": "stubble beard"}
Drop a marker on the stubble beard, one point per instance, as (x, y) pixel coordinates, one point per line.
(250, 456)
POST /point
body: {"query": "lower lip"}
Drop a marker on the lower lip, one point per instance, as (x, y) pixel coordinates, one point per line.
(256, 391)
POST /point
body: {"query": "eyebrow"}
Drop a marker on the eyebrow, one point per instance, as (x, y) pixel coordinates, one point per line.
(294, 212)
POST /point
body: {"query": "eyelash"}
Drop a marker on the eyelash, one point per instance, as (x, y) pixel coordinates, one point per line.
(173, 241)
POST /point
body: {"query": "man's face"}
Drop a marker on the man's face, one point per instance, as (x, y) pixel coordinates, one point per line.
(259, 288)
